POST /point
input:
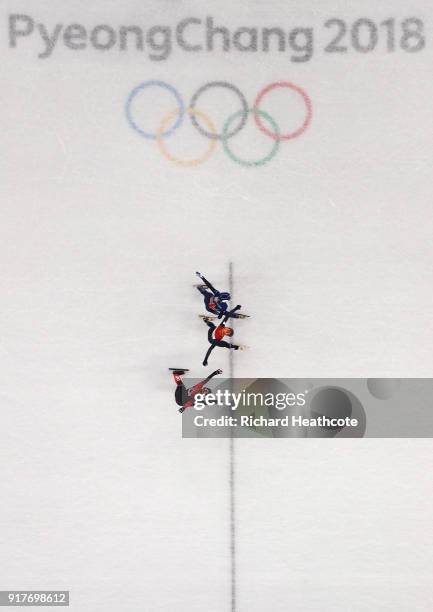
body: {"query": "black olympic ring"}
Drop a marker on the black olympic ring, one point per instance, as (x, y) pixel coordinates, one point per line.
(244, 111)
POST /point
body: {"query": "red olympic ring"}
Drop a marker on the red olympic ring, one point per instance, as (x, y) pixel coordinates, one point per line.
(306, 100)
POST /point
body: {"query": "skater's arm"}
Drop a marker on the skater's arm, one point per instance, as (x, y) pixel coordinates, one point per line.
(227, 345)
(201, 384)
(212, 375)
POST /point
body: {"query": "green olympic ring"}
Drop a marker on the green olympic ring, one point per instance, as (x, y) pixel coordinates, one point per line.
(225, 135)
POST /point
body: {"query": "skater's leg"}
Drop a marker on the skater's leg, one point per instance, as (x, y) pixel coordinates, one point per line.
(209, 351)
(181, 394)
(222, 309)
(230, 315)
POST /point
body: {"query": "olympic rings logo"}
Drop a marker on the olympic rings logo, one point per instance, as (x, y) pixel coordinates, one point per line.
(172, 121)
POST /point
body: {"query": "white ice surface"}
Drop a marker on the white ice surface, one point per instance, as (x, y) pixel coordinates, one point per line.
(99, 240)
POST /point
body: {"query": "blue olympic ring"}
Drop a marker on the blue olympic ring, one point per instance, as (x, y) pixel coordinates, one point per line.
(169, 88)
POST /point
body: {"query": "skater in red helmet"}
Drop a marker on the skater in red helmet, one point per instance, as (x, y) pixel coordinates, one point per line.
(216, 334)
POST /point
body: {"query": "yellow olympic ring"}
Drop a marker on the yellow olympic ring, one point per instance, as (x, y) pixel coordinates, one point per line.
(186, 162)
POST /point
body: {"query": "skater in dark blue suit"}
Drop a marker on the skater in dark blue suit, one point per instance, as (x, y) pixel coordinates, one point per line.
(215, 301)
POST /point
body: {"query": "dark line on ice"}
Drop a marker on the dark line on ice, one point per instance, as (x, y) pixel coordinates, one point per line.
(232, 474)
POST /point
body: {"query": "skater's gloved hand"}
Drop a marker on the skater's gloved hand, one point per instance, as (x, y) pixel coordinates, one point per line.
(198, 274)
(217, 372)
